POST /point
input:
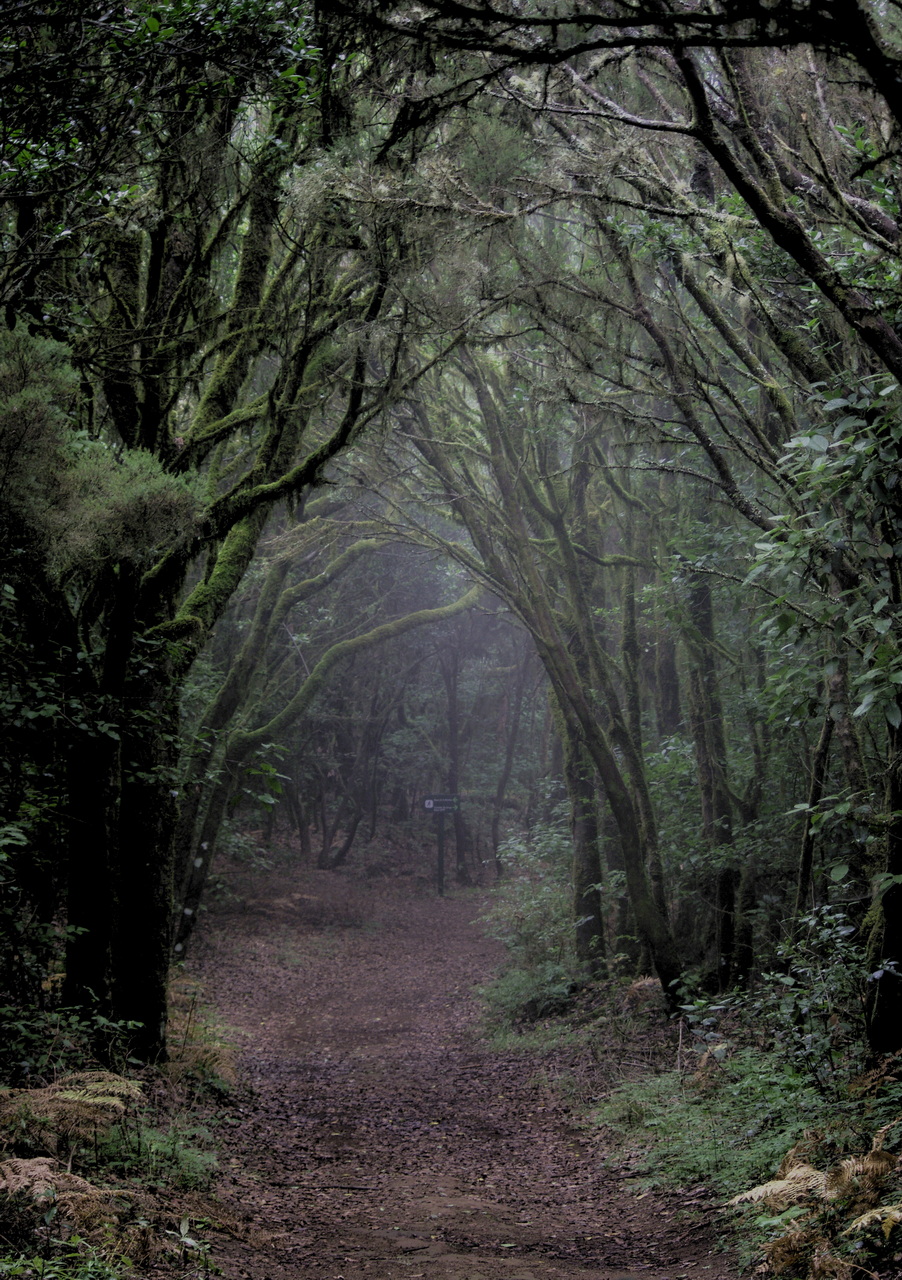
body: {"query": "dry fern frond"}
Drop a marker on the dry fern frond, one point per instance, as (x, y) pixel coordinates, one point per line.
(94, 1213)
(826, 1265)
(641, 992)
(77, 1106)
(803, 1151)
(39, 1177)
(870, 1082)
(856, 1181)
(860, 1174)
(888, 1215)
(789, 1251)
(711, 1061)
(801, 1182)
(197, 1046)
(880, 1135)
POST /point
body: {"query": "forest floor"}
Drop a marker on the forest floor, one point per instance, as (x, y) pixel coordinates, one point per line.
(375, 1134)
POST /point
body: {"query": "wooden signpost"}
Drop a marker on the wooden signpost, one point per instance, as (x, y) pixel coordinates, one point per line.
(439, 806)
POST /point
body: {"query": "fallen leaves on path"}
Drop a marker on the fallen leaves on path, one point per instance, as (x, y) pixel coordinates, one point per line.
(376, 1136)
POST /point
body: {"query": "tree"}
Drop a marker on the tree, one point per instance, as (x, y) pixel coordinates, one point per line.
(635, 325)
(827, 321)
(232, 327)
(512, 508)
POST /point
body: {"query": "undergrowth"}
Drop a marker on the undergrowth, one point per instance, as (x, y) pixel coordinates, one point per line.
(90, 1160)
(530, 914)
(75, 1262)
(767, 1097)
(42, 1043)
(775, 1104)
(726, 1124)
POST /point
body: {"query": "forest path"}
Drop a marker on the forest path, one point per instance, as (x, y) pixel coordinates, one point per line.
(380, 1138)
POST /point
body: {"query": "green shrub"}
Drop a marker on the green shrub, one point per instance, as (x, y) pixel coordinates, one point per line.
(531, 913)
(728, 1124)
(518, 995)
(75, 1261)
(178, 1156)
(39, 1044)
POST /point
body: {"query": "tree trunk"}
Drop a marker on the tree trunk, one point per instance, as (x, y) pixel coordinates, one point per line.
(142, 935)
(191, 889)
(711, 762)
(579, 773)
(819, 765)
(93, 787)
(340, 856)
(449, 666)
(512, 728)
(884, 1003)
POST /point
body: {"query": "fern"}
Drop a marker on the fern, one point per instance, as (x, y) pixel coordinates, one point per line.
(801, 1182)
(808, 1230)
(887, 1215)
(40, 1177)
(75, 1108)
(98, 1221)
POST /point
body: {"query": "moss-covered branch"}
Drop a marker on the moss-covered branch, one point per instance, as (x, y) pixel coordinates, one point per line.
(241, 743)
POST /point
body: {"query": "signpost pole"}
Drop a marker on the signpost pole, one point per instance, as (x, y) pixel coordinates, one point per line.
(438, 806)
(440, 819)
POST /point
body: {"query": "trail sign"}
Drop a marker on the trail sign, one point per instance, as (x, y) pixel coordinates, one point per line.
(441, 804)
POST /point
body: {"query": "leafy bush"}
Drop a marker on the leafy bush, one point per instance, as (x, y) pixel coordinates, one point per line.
(38, 1044)
(542, 990)
(76, 1262)
(812, 1007)
(531, 914)
(178, 1156)
(727, 1124)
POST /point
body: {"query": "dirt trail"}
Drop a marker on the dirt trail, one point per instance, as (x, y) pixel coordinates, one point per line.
(378, 1137)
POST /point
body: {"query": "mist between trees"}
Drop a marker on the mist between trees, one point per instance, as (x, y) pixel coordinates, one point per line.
(397, 402)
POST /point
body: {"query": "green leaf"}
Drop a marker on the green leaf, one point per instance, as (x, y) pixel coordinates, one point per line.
(864, 705)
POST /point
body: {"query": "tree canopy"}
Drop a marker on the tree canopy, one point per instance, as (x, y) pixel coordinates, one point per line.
(554, 357)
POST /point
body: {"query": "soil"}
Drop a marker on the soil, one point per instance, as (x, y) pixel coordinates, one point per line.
(376, 1135)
